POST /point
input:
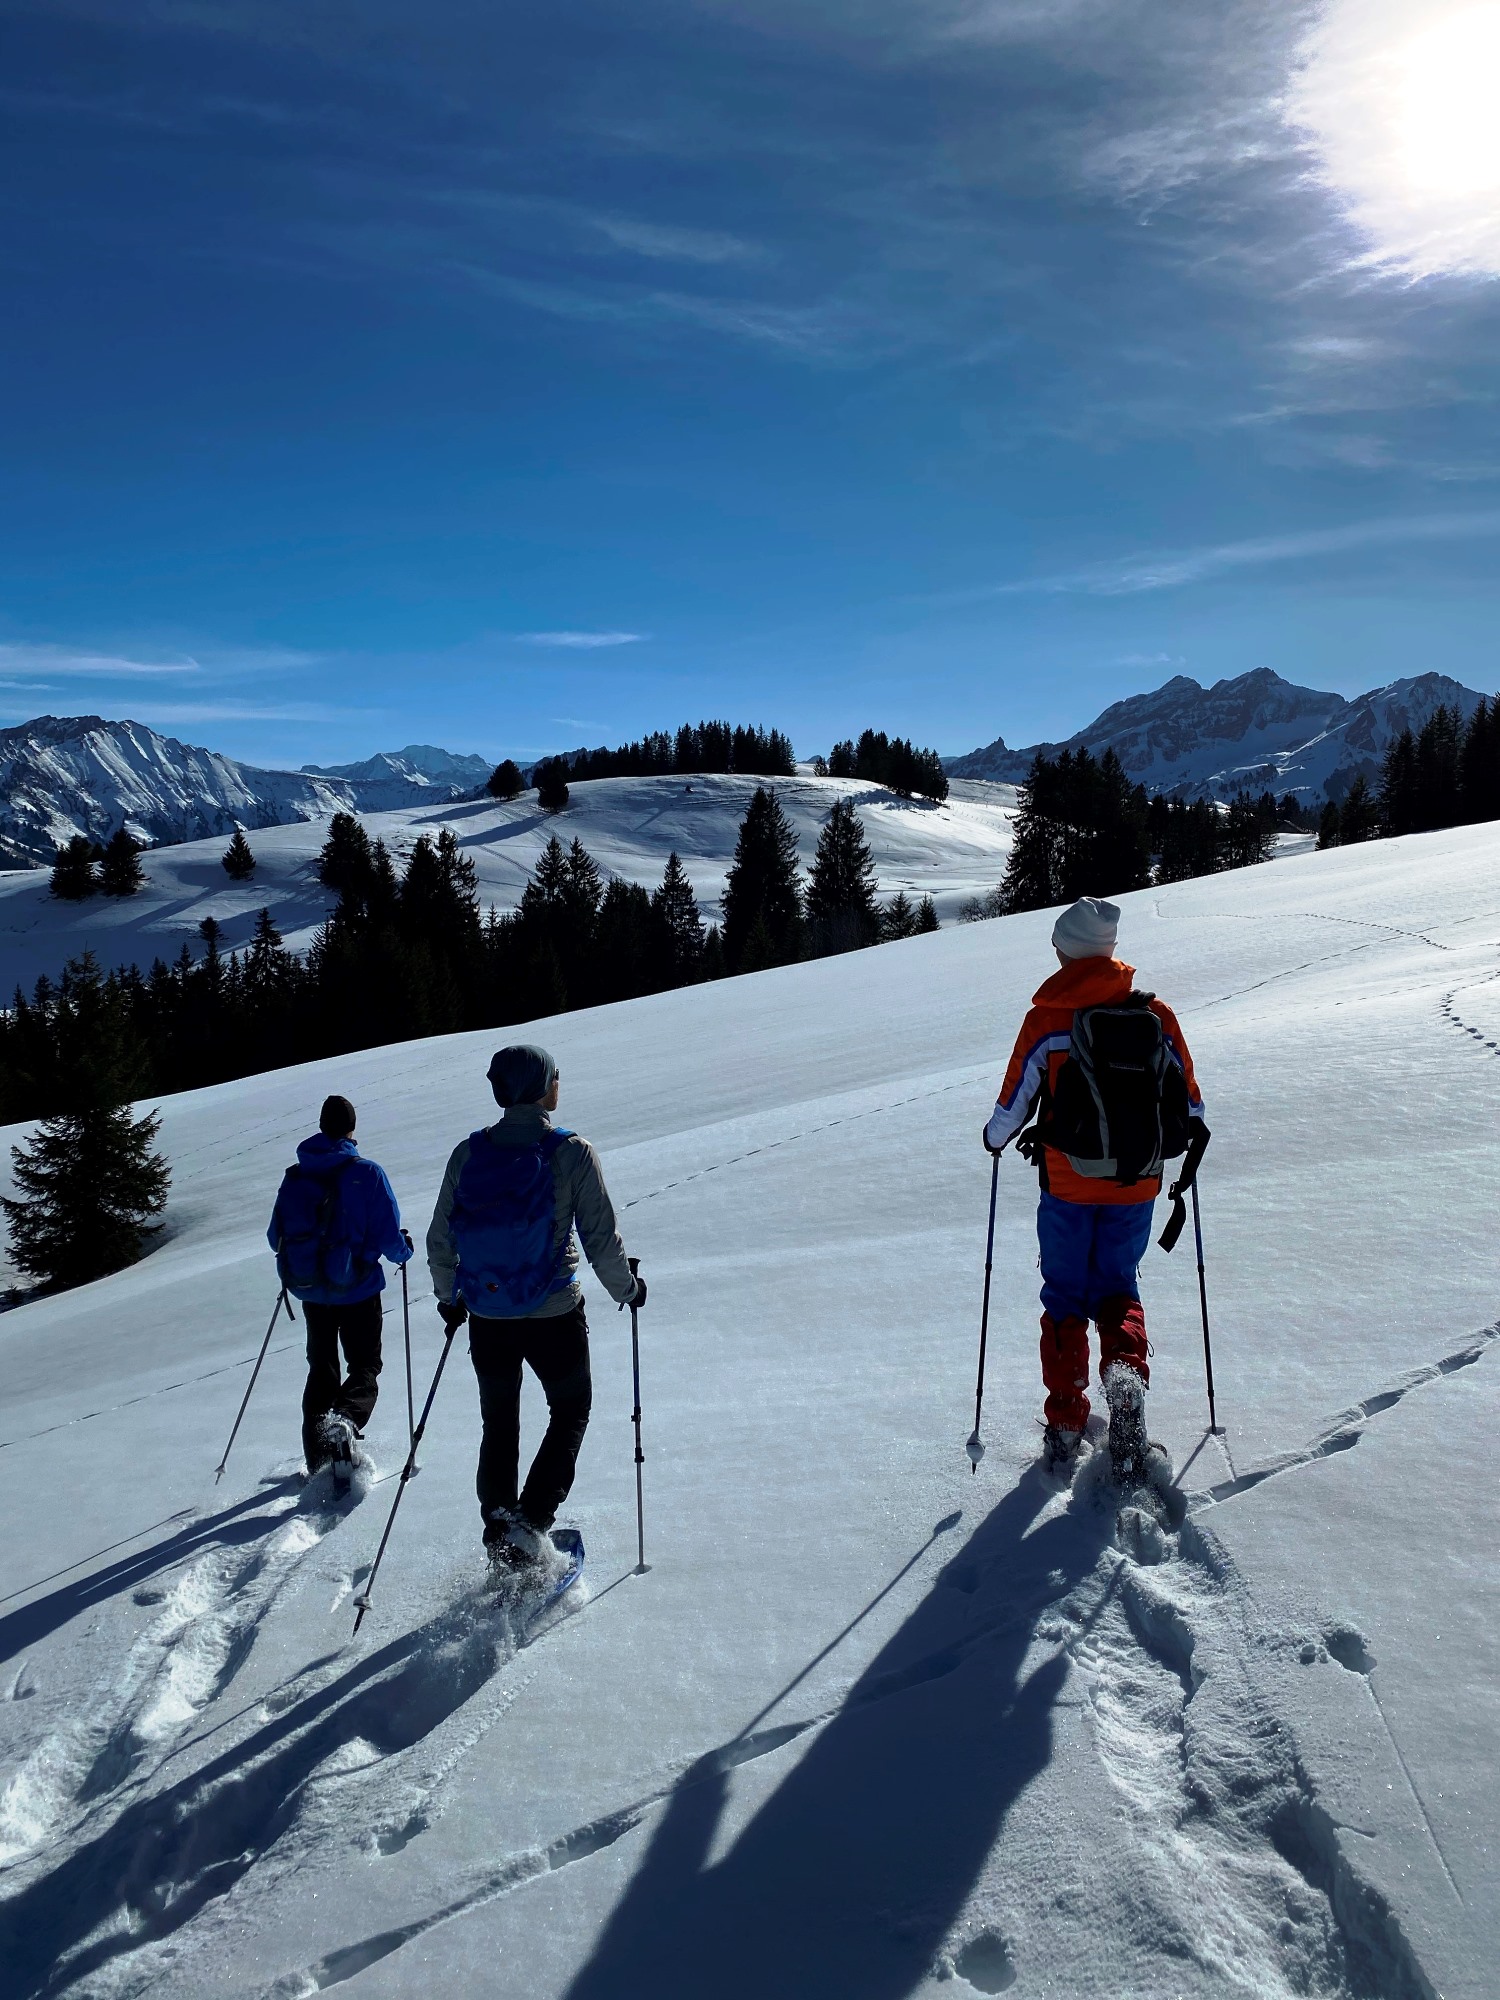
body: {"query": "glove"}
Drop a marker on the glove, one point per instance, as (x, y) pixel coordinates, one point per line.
(1028, 1144)
(638, 1296)
(452, 1314)
(410, 1246)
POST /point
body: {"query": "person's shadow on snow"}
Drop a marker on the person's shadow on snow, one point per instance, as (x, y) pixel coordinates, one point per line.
(849, 1877)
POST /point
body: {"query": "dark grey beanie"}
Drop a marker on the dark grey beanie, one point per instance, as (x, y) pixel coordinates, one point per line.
(521, 1074)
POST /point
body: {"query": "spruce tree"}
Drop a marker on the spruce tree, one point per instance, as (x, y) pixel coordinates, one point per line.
(898, 919)
(345, 862)
(927, 917)
(1328, 826)
(842, 912)
(763, 887)
(73, 877)
(505, 781)
(1359, 817)
(679, 925)
(89, 1183)
(120, 872)
(551, 780)
(237, 861)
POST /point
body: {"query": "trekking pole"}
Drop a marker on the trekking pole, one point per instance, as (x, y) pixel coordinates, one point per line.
(411, 1424)
(974, 1447)
(362, 1602)
(641, 1565)
(1208, 1353)
(281, 1300)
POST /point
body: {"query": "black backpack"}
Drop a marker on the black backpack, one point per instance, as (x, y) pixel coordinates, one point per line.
(1119, 1108)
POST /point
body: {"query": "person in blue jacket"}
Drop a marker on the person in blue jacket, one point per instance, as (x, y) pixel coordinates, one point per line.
(335, 1218)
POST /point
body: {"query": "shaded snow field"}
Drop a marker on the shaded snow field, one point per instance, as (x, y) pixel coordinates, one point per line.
(951, 852)
(870, 1726)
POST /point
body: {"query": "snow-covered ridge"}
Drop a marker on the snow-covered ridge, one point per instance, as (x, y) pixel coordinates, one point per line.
(950, 852)
(65, 775)
(1256, 731)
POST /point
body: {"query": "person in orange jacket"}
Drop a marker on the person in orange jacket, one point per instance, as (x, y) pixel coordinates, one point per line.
(1093, 1226)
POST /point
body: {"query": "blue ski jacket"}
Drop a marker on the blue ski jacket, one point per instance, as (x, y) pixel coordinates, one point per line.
(367, 1217)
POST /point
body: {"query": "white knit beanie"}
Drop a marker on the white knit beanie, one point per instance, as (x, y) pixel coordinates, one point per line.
(1088, 930)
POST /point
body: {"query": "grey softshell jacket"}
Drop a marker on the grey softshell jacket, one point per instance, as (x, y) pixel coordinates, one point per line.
(582, 1198)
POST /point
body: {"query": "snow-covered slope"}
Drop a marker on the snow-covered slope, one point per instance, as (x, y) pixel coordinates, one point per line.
(630, 825)
(1256, 731)
(869, 1726)
(61, 775)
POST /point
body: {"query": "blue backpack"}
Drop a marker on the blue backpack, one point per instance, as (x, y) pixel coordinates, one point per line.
(311, 1255)
(504, 1218)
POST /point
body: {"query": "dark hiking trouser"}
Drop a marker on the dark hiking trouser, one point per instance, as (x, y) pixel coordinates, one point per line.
(357, 1329)
(557, 1352)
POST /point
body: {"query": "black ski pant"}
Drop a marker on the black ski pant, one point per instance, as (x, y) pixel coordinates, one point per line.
(557, 1352)
(357, 1329)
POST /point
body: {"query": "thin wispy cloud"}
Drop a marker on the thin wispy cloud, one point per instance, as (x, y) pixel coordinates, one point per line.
(673, 243)
(581, 642)
(59, 663)
(1129, 576)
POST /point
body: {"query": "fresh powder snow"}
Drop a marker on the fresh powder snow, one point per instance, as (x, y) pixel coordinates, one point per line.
(870, 1725)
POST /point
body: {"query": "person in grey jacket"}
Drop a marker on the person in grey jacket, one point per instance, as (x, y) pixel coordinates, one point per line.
(503, 1255)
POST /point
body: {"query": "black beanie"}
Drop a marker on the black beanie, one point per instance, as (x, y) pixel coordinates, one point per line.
(336, 1119)
(521, 1074)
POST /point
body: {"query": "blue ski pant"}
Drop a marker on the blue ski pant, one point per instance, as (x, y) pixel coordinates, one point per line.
(1091, 1254)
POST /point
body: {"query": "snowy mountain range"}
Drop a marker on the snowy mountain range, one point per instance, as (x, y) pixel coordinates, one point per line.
(385, 782)
(1257, 731)
(64, 775)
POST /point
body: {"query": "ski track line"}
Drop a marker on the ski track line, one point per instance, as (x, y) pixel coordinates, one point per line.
(1345, 1430)
(187, 1658)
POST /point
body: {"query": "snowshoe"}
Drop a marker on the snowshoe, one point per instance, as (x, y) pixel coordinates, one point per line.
(1060, 1449)
(336, 1437)
(1128, 1442)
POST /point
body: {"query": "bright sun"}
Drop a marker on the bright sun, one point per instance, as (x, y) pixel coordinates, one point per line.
(1408, 126)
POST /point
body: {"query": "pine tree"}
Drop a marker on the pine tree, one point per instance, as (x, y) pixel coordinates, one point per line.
(927, 917)
(89, 1184)
(120, 872)
(345, 862)
(898, 919)
(73, 877)
(842, 912)
(679, 925)
(505, 781)
(763, 886)
(237, 861)
(1328, 826)
(1359, 818)
(551, 780)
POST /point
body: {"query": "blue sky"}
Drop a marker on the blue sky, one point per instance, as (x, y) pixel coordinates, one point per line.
(511, 377)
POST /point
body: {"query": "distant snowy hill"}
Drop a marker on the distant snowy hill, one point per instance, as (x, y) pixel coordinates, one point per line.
(63, 775)
(1257, 731)
(385, 782)
(871, 1726)
(630, 825)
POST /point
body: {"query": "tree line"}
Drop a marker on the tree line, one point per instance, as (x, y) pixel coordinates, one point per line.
(1083, 829)
(1447, 773)
(894, 762)
(404, 953)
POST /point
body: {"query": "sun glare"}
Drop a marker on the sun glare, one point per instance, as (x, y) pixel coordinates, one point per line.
(1407, 124)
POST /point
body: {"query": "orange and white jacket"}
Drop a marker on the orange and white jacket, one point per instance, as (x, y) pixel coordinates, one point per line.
(1042, 1048)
